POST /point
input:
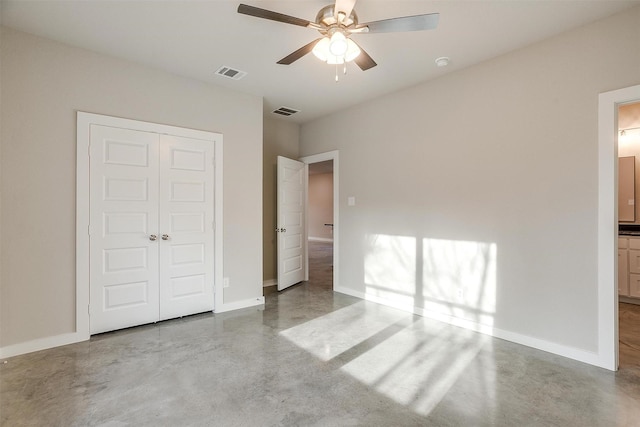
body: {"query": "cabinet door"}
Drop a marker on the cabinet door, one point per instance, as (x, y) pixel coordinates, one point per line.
(634, 261)
(634, 285)
(623, 273)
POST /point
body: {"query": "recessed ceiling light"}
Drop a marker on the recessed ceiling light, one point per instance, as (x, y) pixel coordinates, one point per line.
(443, 61)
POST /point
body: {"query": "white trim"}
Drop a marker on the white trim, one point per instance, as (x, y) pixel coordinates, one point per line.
(550, 347)
(84, 122)
(218, 291)
(608, 103)
(319, 239)
(315, 158)
(237, 305)
(270, 282)
(41, 344)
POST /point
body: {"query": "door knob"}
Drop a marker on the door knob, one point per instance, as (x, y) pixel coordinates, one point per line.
(165, 237)
(153, 237)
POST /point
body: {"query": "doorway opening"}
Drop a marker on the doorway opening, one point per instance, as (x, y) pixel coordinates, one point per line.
(322, 219)
(628, 145)
(607, 312)
(320, 223)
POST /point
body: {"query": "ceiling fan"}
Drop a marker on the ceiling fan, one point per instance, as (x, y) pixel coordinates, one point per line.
(337, 22)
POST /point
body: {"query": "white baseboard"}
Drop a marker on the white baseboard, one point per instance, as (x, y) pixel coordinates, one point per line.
(74, 337)
(41, 344)
(270, 282)
(580, 355)
(320, 239)
(237, 305)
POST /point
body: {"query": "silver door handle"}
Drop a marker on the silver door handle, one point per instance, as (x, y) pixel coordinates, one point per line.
(281, 230)
(165, 237)
(153, 237)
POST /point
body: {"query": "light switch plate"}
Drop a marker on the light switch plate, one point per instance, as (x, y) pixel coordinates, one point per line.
(351, 201)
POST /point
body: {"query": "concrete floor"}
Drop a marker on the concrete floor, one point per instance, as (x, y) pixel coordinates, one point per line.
(310, 358)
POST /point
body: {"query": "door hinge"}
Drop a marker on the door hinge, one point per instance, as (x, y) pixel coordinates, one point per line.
(89, 229)
(89, 309)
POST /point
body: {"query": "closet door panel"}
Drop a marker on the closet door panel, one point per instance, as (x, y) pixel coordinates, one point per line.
(123, 217)
(186, 223)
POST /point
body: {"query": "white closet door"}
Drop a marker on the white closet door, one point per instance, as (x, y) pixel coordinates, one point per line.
(186, 226)
(123, 218)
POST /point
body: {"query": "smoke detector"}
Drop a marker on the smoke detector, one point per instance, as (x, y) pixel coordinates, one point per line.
(443, 61)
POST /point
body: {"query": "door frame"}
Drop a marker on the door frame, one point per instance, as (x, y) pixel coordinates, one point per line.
(84, 122)
(316, 158)
(608, 102)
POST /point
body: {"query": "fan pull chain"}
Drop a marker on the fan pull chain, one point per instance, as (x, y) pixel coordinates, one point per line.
(345, 68)
(336, 73)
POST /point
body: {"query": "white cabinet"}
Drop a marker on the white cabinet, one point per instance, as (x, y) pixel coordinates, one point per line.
(629, 266)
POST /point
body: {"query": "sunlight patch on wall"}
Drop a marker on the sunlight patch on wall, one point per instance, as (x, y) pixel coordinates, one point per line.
(390, 269)
(451, 278)
(459, 279)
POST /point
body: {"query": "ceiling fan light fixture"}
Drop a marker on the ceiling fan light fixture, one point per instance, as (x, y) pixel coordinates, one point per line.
(352, 51)
(322, 51)
(338, 44)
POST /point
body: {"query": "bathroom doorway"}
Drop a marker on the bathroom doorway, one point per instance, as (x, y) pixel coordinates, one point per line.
(629, 234)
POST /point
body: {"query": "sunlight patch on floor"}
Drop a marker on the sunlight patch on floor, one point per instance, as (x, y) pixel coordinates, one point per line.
(335, 333)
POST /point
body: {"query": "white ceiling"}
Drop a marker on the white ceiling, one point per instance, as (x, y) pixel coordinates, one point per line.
(195, 38)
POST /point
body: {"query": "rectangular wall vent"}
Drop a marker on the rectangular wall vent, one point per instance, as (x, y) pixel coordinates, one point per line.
(230, 73)
(285, 111)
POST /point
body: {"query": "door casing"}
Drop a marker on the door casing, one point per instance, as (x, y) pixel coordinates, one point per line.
(321, 157)
(608, 102)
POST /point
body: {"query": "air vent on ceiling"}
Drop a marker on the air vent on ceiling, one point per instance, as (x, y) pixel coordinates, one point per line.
(230, 73)
(285, 111)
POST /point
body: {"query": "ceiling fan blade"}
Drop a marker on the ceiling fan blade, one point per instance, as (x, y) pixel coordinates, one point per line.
(364, 61)
(245, 9)
(345, 6)
(405, 23)
(291, 58)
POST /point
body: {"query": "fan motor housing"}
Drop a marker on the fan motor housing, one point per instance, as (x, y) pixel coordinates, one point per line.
(326, 17)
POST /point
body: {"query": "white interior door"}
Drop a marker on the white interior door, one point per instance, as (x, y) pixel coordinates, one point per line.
(124, 219)
(186, 226)
(151, 244)
(291, 228)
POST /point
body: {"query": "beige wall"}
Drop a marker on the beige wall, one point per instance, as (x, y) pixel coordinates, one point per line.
(486, 181)
(629, 145)
(281, 138)
(320, 206)
(43, 84)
